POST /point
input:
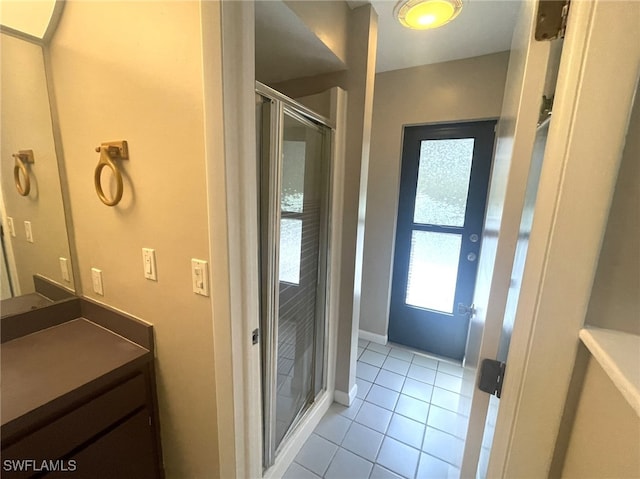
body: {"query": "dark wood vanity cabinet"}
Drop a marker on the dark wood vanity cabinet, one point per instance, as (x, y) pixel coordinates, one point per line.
(78, 401)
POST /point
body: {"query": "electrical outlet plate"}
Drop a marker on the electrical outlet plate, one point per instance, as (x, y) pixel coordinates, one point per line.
(64, 269)
(96, 279)
(200, 277)
(28, 231)
(149, 264)
(12, 228)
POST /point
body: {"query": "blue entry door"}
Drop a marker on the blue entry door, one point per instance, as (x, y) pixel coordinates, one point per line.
(443, 191)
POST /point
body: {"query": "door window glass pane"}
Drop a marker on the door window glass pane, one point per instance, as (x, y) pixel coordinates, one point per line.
(433, 270)
(443, 181)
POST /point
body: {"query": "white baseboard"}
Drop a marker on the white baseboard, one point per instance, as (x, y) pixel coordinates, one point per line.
(346, 399)
(376, 338)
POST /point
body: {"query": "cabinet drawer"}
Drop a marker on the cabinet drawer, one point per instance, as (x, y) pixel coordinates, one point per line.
(126, 452)
(79, 426)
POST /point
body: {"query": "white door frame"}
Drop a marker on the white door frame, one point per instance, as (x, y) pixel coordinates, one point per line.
(515, 137)
(596, 84)
(229, 107)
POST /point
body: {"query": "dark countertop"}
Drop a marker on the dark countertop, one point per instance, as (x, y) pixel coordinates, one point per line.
(49, 369)
(26, 302)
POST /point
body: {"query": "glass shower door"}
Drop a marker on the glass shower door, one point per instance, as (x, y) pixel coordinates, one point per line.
(293, 206)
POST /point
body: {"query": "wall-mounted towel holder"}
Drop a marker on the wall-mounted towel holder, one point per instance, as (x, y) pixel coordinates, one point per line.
(23, 157)
(109, 151)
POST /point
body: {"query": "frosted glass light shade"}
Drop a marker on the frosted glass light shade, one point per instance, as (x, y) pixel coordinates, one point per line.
(425, 14)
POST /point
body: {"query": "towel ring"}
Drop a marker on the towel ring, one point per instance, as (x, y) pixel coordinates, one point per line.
(22, 158)
(109, 152)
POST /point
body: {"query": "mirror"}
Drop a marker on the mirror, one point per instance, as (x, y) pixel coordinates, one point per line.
(36, 256)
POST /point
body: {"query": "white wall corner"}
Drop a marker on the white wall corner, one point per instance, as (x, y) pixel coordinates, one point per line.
(374, 337)
(346, 399)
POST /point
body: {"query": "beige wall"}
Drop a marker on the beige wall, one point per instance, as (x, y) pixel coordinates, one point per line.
(26, 125)
(605, 434)
(615, 302)
(452, 91)
(134, 71)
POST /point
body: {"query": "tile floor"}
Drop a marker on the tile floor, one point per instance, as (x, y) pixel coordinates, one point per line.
(408, 421)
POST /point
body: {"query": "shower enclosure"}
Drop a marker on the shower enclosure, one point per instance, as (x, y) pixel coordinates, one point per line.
(293, 156)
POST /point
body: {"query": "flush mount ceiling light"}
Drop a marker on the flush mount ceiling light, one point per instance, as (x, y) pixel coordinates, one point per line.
(425, 14)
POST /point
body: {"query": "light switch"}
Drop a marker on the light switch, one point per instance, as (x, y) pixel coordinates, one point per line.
(28, 232)
(96, 278)
(149, 263)
(200, 276)
(64, 269)
(12, 228)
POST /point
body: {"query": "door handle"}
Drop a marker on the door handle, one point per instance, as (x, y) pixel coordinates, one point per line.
(469, 310)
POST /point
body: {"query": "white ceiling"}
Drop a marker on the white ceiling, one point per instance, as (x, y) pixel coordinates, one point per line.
(482, 27)
(286, 49)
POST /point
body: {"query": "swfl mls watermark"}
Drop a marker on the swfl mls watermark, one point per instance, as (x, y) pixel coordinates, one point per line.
(33, 465)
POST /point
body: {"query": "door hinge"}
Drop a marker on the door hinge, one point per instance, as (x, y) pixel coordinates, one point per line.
(255, 336)
(491, 376)
(546, 107)
(551, 20)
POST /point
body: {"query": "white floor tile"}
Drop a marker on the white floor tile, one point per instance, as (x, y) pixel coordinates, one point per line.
(451, 401)
(425, 362)
(363, 441)
(379, 348)
(373, 416)
(360, 351)
(412, 408)
(401, 354)
(347, 411)
(373, 358)
(390, 380)
(406, 430)
(433, 468)
(333, 427)
(366, 371)
(398, 457)
(296, 471)
(363, 388)
(316, 454)
(382, 397)
(443, 446)
(449, 368)
(448, 421)
(382, 473)
(448, 382)
(396, 365)
(363, 343)
(346, 465)
(421, 373)
(417, 389)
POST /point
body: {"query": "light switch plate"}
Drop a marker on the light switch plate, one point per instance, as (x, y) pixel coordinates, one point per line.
(28, 231)
(64, 269)
(200, 276)
(12, 228)
(149, 263)
(96, 279)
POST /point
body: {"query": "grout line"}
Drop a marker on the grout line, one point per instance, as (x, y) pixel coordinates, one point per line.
(393, 411)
